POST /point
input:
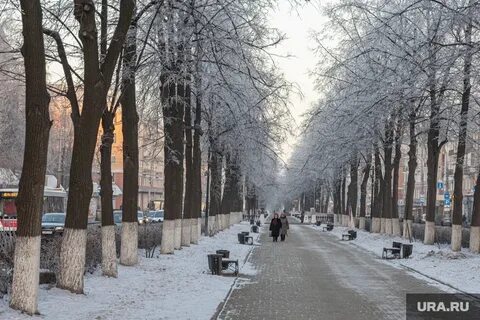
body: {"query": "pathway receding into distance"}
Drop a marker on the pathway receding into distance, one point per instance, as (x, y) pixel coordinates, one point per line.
(315, 276)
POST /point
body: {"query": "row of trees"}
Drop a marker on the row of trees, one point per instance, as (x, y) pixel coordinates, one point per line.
(400, 77)
(204, 65)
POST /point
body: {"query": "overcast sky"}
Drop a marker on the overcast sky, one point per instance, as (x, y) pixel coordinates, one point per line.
(297, 24)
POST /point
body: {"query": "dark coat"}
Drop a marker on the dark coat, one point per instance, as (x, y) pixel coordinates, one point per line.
(275, 226)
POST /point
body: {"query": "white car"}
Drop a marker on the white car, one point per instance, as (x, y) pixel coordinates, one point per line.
(156, 216)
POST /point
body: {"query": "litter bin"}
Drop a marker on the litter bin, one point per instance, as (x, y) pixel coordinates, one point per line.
(318, 223)
(407, 250)
(258, 223)
(215, 263)
(241, 238)
(255, 229)
(252, 221)
(246, 233)
(225, 253)
(352, 233)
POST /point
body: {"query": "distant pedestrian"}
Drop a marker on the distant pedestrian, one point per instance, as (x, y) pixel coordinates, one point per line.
(275, 227)
(285, 226)
(302, 216)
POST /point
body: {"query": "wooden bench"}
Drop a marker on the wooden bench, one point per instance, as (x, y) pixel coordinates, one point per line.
(350, 235)
(328, 227)
(231, 265)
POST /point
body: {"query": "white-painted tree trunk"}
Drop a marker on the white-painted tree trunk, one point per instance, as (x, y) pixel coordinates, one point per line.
(429, 233)
(178, 234)
(218, 221)
(194, 231)
(109, 252)
(382, 225)
(396, 227)
(351, 223)
(26, 275)
(361, 223)
(72, 260)
(388, 226)
(168, 237)
(129, 244)
(211, 225)
(475, 239)
(375, 227)
(199, 229)
(186, 232)
(407, 229)
(456, 237)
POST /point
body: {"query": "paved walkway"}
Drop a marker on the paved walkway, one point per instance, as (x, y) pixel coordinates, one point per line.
(315, 276)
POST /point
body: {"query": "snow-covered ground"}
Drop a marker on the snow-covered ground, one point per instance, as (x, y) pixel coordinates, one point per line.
(175, 286)
(458, 270)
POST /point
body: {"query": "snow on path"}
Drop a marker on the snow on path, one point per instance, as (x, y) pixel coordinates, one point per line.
(177, 286)
(459, 270)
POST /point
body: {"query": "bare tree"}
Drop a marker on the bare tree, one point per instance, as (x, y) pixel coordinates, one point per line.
(30, 197)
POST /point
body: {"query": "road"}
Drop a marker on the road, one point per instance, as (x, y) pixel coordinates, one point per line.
(315, 276)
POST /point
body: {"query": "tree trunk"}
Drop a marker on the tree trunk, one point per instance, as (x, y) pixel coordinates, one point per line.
(215, 191)
(387, 189)
(396, 169)
(363, 192)
(433, 152)
(456, 240)
(412, 166)
(475, 225)
(197, 165)
(173, 114)
(129, 236)
(188, 214)
(30, 196)
(353, 190)
(109, 251)
(378, 192)
(343, 199)
(97, 80)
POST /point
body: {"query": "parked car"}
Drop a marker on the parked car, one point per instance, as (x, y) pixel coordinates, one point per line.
(117, 217)
(156, 216)
(53, 223)
(446, 220)
(142, 217)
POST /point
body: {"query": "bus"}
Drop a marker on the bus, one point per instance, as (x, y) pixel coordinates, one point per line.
(54, 200)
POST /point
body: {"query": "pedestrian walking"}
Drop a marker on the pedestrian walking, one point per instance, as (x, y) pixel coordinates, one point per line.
(275, 227)
(285, 226)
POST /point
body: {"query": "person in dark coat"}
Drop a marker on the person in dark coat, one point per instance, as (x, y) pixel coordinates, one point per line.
(285, 226)
(275, 227)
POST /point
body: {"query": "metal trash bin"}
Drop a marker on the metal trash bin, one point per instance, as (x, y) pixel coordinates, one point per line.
(252, 221)
(407, 250)
(215, 263)
(246, 233)
(258, 223)
(241, 238)
(225, 253)
(255, 229)
(352, 233)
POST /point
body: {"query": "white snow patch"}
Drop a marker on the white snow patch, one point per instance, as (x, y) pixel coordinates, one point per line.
(460, 270)
(177, 286)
